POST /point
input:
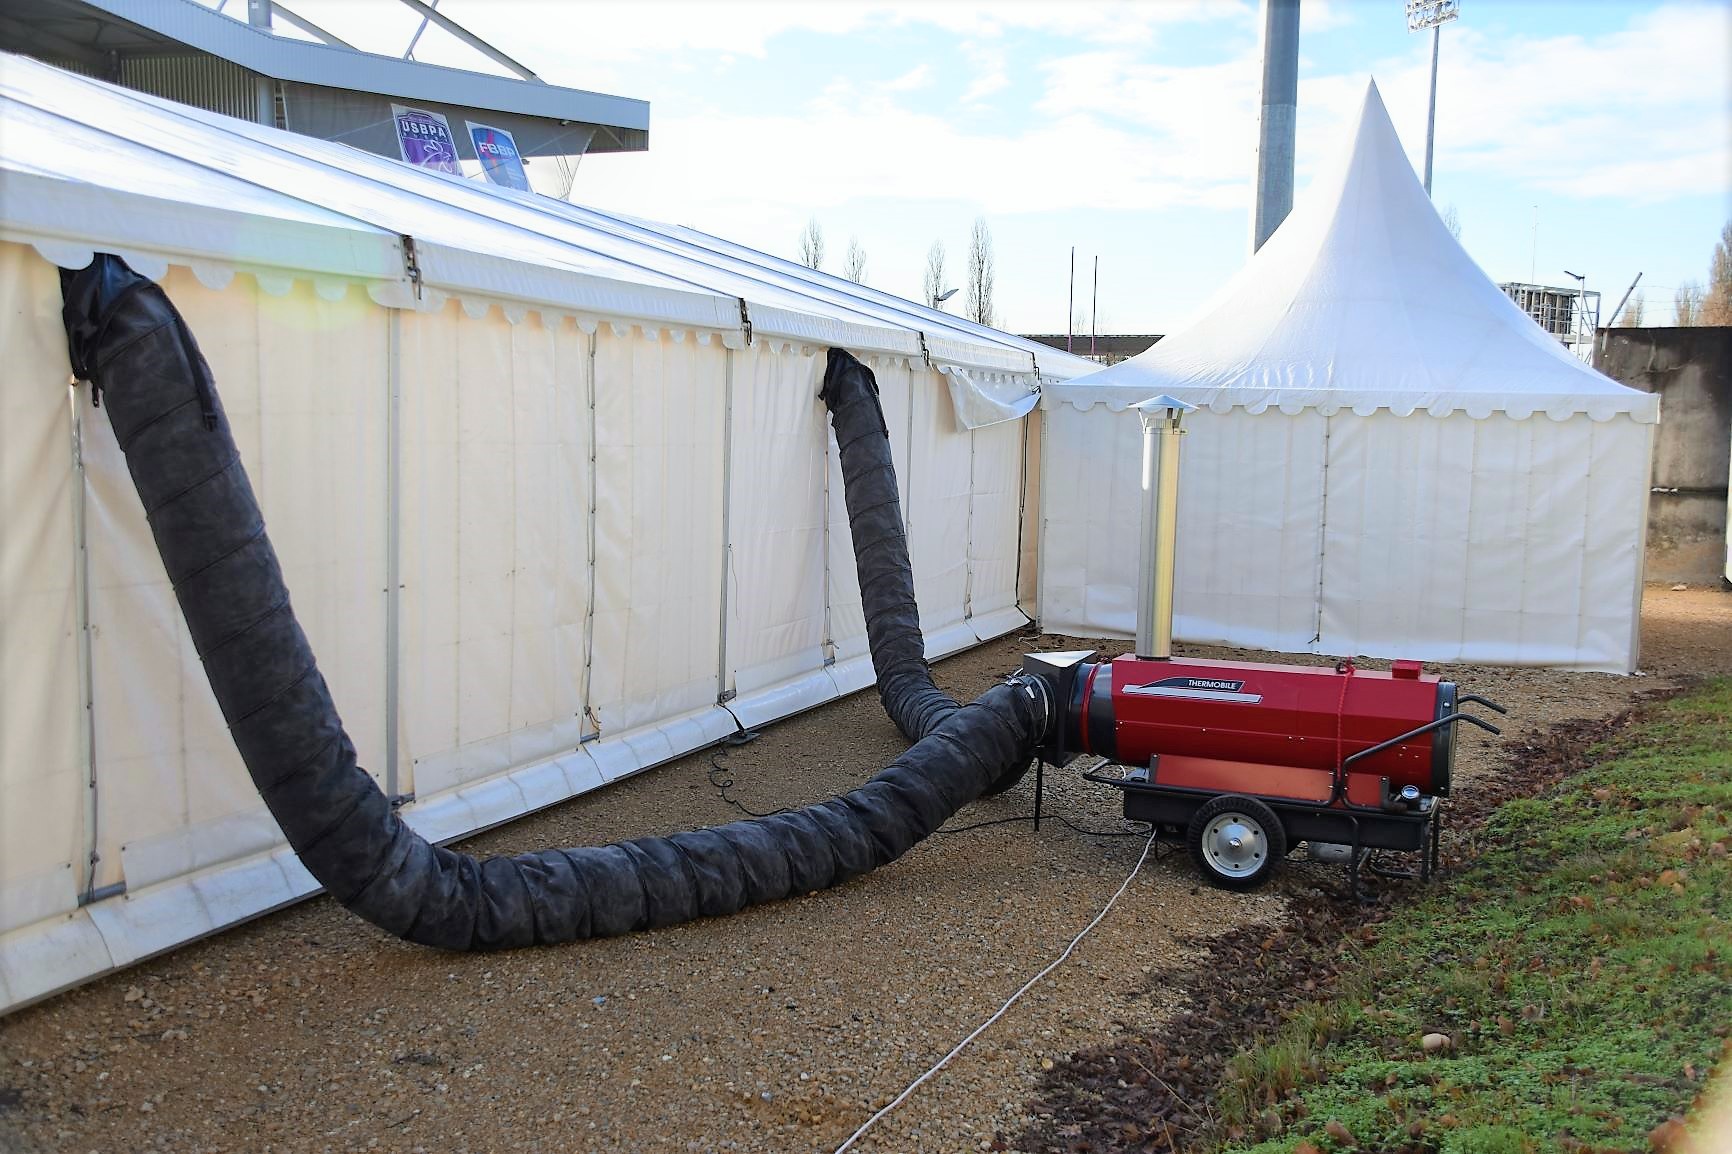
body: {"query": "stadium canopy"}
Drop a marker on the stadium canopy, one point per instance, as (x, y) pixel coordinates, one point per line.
(321, 86)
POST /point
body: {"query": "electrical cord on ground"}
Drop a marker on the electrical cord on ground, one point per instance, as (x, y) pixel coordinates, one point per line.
(1060, 818)
(1000, 1012)
(723, 778)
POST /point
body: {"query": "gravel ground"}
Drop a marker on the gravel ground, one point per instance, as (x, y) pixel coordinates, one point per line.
(775, 1030)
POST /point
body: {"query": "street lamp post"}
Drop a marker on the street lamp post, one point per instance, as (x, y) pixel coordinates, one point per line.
(940, 298)
(1432, 14)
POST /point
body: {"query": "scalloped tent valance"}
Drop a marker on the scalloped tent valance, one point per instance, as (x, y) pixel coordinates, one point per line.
(1327, 403)
(1363, 301)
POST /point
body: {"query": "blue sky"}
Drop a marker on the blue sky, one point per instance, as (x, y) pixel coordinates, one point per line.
(1129, 130)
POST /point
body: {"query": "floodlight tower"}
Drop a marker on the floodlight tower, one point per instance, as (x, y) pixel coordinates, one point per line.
(1275, 125)
(1432, 14)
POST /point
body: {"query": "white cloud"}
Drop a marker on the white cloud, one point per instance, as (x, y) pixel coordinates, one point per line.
(1639, 114)
(920, 76)
(991, 73)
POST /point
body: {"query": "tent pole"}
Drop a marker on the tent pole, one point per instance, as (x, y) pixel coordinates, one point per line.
(86, 675)
(588, 729)
(723, 693)
(1070, 304)
(393, 550)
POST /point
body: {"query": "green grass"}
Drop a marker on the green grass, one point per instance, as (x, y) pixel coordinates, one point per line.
(1582, 968)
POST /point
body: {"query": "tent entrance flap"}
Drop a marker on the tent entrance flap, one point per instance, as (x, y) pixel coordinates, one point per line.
(981, 398)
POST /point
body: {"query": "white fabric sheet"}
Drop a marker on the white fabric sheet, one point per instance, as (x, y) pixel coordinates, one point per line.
(776, 510)
(1498, 540)
(494, 540)
(172, 794)
(981, 398)
(939, 488)
(42, 769)
(659, 427)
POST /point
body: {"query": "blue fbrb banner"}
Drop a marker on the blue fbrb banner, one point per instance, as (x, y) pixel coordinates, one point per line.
(498, 154)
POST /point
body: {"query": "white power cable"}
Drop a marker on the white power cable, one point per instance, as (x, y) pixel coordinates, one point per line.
(1027, 986)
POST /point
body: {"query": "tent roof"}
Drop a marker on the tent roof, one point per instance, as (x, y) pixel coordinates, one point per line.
(1363, 300)
(86, 166)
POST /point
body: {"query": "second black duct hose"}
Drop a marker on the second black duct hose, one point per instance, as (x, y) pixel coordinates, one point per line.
(136, 351)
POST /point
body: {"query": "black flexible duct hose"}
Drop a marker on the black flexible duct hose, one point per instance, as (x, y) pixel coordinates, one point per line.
(130, 343)
(881, 550)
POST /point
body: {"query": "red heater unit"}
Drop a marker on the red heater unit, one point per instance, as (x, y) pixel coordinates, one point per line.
(1245, 760)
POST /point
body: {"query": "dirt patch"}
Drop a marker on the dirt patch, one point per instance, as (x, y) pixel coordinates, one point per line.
(779, 1029)
(1153, 1091)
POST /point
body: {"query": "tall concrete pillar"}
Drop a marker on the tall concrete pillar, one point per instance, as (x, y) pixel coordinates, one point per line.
(1275, 124)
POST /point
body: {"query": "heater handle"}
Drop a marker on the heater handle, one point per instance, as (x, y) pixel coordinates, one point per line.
(1485, 701)
(1420, 731)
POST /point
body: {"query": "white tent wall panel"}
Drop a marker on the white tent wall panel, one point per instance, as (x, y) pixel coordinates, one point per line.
(1091, 470)
(1249, 525)
(774, 628)
(494, 498)
(303, 386)
(1496, 539)
(937, 512)
(42, 716)
(1250, 494)
(1492, 544)
(994, 527)
(659, 413)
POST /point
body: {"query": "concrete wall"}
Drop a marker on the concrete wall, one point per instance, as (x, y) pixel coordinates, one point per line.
(1691, 369)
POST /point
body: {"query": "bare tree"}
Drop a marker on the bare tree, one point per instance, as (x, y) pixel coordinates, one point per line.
(1452, 221)
(1631, 317)
(1717, 301)
(979, 287)
(854, 264)
(933, 284)
(1687, 304)
(812, 245)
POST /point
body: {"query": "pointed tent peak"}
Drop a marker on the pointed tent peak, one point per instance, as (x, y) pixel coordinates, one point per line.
(1370, 156)
(1362, 299)
(1373, 97)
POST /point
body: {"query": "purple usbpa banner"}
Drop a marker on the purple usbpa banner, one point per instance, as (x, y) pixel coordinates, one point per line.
(424, 138)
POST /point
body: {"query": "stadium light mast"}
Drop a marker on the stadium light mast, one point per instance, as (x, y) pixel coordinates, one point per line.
(1432, 14)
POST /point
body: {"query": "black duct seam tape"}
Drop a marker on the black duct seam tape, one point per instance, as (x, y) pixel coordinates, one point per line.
(126, 338)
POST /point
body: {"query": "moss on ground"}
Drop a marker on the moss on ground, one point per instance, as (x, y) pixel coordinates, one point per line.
(1581, 968)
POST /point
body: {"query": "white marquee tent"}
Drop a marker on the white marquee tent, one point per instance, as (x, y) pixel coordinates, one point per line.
(552, 489)
(1390, 459)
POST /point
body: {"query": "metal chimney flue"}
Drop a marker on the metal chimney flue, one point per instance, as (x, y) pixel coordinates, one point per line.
(1162, 417)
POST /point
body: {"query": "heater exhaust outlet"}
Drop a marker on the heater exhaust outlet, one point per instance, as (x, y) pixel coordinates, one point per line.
(1162, 418)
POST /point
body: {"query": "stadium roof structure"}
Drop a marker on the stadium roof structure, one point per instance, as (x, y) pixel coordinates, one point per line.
(322, 87)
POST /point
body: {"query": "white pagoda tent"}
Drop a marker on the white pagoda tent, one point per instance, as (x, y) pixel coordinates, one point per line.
(1390, 458)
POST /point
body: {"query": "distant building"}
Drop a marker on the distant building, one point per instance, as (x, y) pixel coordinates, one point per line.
(257, 66)
(1107, 348)
(1567, 313)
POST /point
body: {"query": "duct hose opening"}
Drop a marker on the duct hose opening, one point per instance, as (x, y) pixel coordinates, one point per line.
(144, 367)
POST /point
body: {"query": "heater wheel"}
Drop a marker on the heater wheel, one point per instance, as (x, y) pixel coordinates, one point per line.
(1236, 841)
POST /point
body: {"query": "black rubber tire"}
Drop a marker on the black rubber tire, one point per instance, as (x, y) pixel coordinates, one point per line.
(1252, 812)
